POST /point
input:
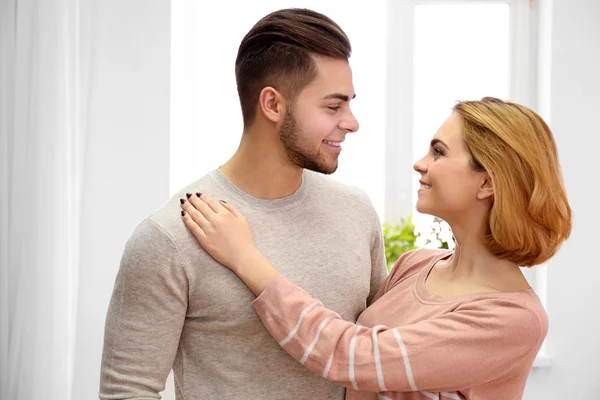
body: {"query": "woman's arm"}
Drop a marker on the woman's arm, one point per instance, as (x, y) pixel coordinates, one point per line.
(478, 342)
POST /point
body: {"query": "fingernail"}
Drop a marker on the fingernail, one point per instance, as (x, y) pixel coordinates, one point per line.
(188, 195)
(198, 194)
(223, 201)
(182, 213)
(182, 201)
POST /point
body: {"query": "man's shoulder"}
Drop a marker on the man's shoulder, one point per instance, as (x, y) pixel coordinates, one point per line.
(168, 215)
(165, 222)
(162, 242)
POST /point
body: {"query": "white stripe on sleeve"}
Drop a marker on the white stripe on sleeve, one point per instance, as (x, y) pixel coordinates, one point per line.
(409, 374)
(351, 363)
(302, 315)
(377, 357)
(316, 339)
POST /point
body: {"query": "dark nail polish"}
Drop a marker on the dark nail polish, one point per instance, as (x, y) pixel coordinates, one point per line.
(198, 194)
(188, 195)
(182, 213)
(223, 201)
(182, 201)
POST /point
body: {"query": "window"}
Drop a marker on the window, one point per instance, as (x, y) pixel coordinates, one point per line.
(439, 52)
(461, 52)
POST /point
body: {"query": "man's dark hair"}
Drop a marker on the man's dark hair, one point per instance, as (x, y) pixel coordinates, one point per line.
(278, 51)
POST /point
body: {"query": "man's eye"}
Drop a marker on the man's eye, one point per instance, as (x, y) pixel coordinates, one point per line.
(334, 108)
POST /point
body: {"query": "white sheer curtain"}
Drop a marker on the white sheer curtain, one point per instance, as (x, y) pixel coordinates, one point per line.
(42, 138)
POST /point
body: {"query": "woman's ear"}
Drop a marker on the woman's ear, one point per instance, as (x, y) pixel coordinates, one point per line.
(486, 189)
(271, 104)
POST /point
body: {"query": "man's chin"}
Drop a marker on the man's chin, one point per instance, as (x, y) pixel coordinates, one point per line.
(325, 170)
(331, 170)
(318, 165)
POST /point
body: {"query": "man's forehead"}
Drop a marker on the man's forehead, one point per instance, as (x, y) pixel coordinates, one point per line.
(332, 89)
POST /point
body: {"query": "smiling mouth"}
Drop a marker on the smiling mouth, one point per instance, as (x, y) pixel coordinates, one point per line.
(424, 186)
(334, 144)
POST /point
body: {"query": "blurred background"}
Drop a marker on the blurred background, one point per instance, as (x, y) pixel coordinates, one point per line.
(108, 107)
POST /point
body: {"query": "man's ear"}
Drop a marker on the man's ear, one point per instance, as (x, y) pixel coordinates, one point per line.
(486, 189)
(271, 104)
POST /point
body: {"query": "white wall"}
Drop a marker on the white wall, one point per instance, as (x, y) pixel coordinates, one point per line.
(573, 84)
(127, 157)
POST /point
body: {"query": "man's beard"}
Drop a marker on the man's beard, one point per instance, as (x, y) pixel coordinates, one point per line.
(290, 137)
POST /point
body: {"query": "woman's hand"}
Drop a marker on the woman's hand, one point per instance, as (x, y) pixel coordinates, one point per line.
(220, 229)
(225, 234)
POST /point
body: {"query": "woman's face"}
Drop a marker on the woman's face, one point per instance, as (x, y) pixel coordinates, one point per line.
(450, 186)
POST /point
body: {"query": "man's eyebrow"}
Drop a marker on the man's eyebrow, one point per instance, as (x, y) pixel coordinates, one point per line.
(339, 96)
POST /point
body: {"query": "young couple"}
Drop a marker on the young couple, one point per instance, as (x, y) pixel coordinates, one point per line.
(305, 272)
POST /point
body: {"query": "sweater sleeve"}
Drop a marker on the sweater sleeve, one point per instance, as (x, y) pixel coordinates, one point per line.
(378, 263)
(476, 343)
(145, 317)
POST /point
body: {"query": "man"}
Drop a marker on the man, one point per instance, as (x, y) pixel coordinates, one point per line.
(174, 307)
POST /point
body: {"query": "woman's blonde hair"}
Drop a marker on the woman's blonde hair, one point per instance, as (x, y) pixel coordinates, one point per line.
(530, 217)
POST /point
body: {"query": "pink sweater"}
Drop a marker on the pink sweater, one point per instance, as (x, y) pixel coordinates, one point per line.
(410, 344)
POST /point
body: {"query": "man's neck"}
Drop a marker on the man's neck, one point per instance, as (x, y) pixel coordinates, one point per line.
(262, 170)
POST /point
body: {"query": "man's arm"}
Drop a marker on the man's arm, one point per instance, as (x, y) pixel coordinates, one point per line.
(145, 317)
(378, 262)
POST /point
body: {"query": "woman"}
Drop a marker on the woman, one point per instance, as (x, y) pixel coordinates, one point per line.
(460, 324)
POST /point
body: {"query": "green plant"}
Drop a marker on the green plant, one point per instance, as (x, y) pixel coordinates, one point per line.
(398, 239)
(436, 235)
(403, 236)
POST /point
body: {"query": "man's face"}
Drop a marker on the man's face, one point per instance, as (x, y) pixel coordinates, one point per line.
(316, 125)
